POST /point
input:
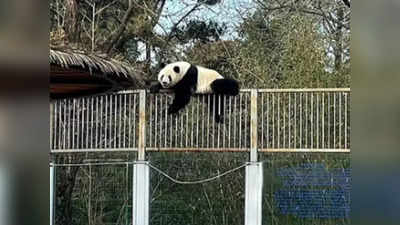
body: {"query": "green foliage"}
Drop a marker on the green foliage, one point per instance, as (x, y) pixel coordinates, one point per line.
(202, 31)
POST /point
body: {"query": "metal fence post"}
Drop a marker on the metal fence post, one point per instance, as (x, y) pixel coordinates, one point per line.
(142, 126)
(141, 189)
(141, 171)
(253, 202)
(254, 172)
(52, 184)
(253, 126)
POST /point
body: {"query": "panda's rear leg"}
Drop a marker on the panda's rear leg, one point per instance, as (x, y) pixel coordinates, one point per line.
(225, 87)
(216, 106)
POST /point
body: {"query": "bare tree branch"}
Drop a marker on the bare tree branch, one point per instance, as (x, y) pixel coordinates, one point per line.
(180, 20)
(121, 28)
(346, 2)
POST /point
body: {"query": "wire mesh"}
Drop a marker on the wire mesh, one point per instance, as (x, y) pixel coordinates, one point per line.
(92, 188)
(220, 201)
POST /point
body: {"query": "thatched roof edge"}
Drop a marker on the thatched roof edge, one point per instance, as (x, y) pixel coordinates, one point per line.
(92, 63)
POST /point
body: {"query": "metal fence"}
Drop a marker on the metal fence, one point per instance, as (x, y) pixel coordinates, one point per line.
(289, 121)
(283, 120)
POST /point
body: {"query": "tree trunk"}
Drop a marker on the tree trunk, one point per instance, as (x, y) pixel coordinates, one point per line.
(71, 20)
(339, 40)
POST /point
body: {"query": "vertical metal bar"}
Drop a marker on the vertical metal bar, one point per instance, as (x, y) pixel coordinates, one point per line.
(273, 120)
(51, 125)
(267, 124)
(166, 121)
(219, 126)
(246, 126)
(317, 123)
(230, 124)
(52, 193)
(235, 120)
(192, 126)
(213, 121)
(119, 119)
(115, 120)
(105, 121)
(98, 130)
(289, 120)
(176, 130)
(141, 193)
(130, 109)
(329, 120)
(68, 122)
(301, 121)
(197, 121)
(202, 121)
(312, 120)
(181, 137)
(92, 122)
(155, 123)
(135, 119)
(253, 126)
(187, 128)
(208, 121)
(253, 196)
(284, 120)
(124, 121)
(295, 120)
(161, 122)
(262, 120)
(151, 119)
(223, 128)
(240, 121)
(56, 125)
(82, 121)
(279, 119)
(64, 122)
(87, 122)
(142, 125)
(170, 131)
(334, 120)
(323, 119)
(345, 118)
(340, 120)
(306, 120)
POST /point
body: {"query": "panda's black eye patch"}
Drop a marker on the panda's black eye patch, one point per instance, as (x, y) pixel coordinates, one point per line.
(176, 69)
(170, 79)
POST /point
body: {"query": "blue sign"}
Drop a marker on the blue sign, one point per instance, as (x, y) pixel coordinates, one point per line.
(311, 191)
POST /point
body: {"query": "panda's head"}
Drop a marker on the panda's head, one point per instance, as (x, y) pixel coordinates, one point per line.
(172, 73)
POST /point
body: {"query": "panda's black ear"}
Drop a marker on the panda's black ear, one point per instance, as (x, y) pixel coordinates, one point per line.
(176, 69)
(162, 65)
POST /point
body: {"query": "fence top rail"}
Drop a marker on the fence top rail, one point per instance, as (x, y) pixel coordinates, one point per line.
(260, 90)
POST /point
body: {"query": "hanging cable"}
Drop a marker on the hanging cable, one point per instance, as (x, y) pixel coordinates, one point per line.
(198, 181)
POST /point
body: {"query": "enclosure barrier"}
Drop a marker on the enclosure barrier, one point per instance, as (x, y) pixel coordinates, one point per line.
(255, 121)
(276, 120)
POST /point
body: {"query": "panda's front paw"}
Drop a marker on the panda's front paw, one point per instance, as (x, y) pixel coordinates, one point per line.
(155, 88)
(219, 119)
(172, 110)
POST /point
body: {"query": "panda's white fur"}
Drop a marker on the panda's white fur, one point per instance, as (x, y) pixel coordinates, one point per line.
(187, 79)
(169, 78)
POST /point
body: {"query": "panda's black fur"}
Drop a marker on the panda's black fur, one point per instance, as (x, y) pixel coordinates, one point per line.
(187, 86)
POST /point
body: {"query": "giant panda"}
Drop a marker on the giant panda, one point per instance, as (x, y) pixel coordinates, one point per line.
(186, 79)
